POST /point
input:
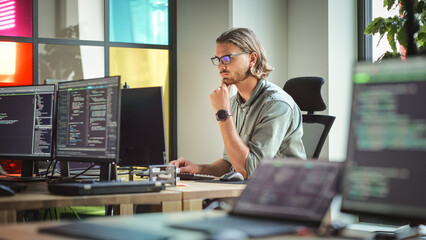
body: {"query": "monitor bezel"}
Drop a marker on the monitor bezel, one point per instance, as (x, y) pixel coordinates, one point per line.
(96, 160)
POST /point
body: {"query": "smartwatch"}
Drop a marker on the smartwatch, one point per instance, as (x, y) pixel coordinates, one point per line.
(223, 114)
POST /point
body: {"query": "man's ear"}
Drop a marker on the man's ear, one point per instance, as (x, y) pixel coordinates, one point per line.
(253, 58)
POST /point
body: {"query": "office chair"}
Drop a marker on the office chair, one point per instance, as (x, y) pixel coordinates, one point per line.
(306, 92)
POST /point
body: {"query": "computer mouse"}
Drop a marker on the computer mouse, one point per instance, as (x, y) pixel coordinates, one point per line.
(6, 191)
(232, 176)
(228, 234)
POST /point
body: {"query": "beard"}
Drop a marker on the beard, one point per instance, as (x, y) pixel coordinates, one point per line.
(237, 77)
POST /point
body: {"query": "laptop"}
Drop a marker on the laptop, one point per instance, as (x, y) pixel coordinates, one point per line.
(283, 196)
(85, 188)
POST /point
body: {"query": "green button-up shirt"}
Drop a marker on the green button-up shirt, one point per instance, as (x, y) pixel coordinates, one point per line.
(269, 123)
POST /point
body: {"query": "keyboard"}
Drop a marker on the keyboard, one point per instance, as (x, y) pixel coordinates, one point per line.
(16, 187)
(97, 188)
(95, 231)
(195, 176)
(17, 179)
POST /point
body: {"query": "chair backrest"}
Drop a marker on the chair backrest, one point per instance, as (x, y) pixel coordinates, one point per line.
(316, 129)
(306, 92)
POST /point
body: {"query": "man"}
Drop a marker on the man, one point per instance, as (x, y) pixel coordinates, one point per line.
(260, 121)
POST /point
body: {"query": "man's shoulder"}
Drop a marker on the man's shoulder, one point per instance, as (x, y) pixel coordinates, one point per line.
(273, 92)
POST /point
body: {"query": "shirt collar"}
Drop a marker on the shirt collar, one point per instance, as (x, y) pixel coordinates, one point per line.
(254, 94)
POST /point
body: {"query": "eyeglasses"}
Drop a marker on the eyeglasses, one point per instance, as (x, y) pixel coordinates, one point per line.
(224, 59)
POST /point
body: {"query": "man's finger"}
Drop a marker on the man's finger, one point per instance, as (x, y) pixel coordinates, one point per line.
(229, 87)
(184, 169)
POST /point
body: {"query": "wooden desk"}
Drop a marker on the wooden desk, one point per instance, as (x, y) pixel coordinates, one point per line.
(149, 222)
(195, 192)
(37, 196)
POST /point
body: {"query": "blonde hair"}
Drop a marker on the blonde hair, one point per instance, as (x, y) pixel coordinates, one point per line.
(247, 41)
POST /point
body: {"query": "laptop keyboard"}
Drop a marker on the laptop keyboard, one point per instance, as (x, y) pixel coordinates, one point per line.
(251, 226)
(95, 231)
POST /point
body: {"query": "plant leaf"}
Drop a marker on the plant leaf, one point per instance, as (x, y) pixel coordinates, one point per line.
(388, 4)
(391, 39)
(421, 36)
(380, 39)
(420, 6)
(388, 55)
(402, 10)
(402, 35)
(420, 39)
(375, 26)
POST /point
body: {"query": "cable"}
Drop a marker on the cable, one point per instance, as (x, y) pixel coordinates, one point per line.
(48, 167)
(87, 169)
(75, 213)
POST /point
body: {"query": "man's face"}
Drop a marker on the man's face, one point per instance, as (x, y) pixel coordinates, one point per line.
(238, 69)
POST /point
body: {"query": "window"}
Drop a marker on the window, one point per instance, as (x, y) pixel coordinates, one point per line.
(390, 18)
(16, 18)
(381, 46)
(16, 63)
(143, 22)
(81, 39)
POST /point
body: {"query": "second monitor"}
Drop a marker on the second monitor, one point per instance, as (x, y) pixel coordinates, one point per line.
(142, 133)
(88, 123)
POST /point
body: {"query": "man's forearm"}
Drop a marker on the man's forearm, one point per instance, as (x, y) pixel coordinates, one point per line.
(236, 149)
(217, 168)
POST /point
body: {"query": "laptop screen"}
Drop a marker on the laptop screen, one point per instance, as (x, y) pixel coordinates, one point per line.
(290, 189)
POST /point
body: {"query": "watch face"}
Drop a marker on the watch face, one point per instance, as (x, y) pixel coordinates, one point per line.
(222, 115)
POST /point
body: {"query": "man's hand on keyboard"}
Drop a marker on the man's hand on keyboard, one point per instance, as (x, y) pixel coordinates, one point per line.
(186, 166)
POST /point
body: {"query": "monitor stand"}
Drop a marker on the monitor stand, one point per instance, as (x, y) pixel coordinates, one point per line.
(108, 171)
(404, 232)
(408, 231)
(27, 174)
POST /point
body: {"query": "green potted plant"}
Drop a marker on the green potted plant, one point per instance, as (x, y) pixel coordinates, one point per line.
(395, 28)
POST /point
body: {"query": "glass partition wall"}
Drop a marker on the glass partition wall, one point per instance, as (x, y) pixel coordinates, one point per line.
(57, 40)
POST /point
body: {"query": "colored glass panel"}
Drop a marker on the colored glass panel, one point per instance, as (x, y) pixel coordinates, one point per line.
(78, 19)
(143, 68)
(69, 62)
(16, 64)
(139, 21)
(16, 18)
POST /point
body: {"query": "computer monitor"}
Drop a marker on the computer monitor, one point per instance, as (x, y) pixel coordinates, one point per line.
(386, 160)
(143, 139)
(88, 123)
(27, 117)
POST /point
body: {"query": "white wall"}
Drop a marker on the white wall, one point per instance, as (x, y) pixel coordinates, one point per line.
(308, 44)
(341, 45)
(199, 23)
(268, 19)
